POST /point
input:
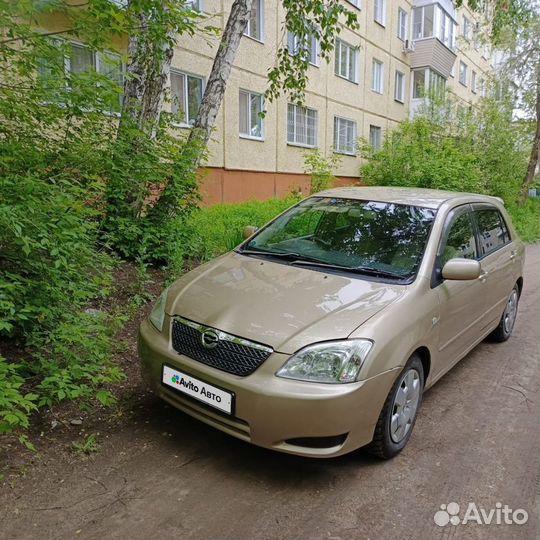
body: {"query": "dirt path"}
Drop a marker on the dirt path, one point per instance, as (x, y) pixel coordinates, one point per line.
(163, 475)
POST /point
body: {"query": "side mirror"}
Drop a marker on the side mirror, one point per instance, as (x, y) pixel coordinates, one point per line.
(461, 269)
(249, 231)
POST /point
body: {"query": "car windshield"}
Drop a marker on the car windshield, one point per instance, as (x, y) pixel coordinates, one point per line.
(367, 237)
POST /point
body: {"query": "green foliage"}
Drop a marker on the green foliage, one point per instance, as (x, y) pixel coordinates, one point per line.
(55, 133)
(15, 406)
(307, 19)
(320, 169)
(449, 147)
(213, 231)
(142, 170)
(526, 219)
(89, 445)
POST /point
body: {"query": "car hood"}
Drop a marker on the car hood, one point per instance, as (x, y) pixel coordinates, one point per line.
(285, 307)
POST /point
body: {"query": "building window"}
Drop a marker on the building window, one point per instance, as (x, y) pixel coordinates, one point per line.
(79, 60)
(377, 84)
(380, 12)
(375, 137)
(463, 73)
(301, 125)
(466, 28)
(424, 24)
(399, 92)
(430, 81)
(186, 92)
(403, 24)
(344, 136)
(250, 108)
(254, 28)
(346, 60)
(355, 3)
(423, 18)
(196, 4)
(446, 29)
(473, 82)
(309, 48)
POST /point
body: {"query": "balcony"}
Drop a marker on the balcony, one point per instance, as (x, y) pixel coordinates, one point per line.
(432, 53)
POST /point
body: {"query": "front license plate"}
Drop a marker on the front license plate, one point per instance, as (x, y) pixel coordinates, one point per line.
(200, 390)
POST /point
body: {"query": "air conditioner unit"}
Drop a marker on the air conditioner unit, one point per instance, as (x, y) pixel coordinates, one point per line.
(408, 46)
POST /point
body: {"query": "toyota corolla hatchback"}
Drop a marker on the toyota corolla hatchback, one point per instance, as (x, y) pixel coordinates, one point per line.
(319, 334)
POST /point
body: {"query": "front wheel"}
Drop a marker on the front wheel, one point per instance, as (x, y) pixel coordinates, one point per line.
(508, 318)
(397, 418)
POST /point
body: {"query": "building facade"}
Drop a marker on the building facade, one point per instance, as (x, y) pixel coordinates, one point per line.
(376, 79)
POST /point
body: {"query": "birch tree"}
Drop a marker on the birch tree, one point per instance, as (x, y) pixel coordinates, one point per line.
(322, 19)
(155, 27)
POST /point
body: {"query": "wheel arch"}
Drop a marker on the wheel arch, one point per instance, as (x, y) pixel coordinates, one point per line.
(425, 357)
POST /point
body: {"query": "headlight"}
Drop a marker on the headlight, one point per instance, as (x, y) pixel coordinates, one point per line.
(157, 316)
(333, 362)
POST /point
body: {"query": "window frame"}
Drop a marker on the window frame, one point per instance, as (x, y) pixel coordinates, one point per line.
(337, 150)
(464, 80)
(295, 142)
(403, 36)
(95, 66)
(249, 117)
(356, 3)
(338, 56)
(397, 98)
(476, 207)
(466, 28)
(314, 49)
(186, 74)
(382, 5)
(379, 63)
(380, 132)
(247, 33)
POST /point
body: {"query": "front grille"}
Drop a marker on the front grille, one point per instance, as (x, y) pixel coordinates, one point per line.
(230, 353)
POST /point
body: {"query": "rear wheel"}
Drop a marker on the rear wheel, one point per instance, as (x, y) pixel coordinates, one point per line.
(508, 318)
(397, 418)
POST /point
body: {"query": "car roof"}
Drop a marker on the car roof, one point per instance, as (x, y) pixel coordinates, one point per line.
(429, 198)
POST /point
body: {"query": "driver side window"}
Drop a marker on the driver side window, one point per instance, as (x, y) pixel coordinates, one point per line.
(460, 241)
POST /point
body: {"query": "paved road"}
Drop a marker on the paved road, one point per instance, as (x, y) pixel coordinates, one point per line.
(163, 475)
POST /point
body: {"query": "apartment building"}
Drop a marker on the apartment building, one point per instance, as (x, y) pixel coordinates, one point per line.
(375, 80)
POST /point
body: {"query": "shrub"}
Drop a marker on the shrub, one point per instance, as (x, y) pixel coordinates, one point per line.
(321, 169)
(15, 406)
(447, 147)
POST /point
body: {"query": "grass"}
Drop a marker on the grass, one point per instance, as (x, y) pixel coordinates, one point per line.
(213, 231)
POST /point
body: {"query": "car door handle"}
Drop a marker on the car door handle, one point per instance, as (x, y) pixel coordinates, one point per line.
(512, 255)
(483, 275)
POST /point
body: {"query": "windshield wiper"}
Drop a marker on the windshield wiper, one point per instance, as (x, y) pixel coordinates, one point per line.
(288, 255)
(305, 260)
(355, 269)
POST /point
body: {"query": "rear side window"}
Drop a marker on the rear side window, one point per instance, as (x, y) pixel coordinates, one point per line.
(492, 230)
(460, 241)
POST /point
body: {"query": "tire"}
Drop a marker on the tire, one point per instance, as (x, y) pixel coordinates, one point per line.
(508, 318)
(387, 441)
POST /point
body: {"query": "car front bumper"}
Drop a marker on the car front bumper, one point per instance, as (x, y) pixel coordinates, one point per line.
(309, 419)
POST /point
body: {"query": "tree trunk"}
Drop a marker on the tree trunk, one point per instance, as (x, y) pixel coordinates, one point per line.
(211, 102)
(533, 161)
(148, 72)
(221, 69)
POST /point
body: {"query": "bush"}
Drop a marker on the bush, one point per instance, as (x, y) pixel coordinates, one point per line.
(15, 406)
(478, 150)
(209, 232)
(321, 169)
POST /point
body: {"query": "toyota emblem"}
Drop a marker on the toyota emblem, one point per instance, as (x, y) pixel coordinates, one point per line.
(209, 339)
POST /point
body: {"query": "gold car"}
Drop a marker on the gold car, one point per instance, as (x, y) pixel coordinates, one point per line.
(319, 334)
